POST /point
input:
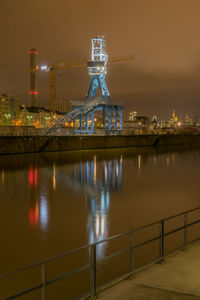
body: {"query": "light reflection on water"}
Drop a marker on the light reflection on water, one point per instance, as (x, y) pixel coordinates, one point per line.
(44, 213)
(64, 201)
(94, 180)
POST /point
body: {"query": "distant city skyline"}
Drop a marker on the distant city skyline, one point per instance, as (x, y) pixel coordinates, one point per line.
(164, 36)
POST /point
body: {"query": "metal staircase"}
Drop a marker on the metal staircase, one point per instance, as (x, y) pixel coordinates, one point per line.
(74, 114)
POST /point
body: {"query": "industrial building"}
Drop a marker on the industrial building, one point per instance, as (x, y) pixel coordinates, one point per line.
(12, 113)
(9, 109)
(38, 119)
(63, 105)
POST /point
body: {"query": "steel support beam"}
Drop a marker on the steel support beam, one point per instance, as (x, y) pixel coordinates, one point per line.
(109, 118)
(86, 122)
(98, 81)
(116, 112)
(80, 121)
(92, 119)
(104, 117)
(121, 118)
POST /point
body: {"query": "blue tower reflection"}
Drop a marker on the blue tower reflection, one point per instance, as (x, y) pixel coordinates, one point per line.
(98, 180)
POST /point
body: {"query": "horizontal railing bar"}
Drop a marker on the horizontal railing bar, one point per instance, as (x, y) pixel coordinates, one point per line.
(193, 241)
(44, 261)
(193, 223)
(181, 228)
(114, 255)
(24, 292)
(158, 259)
(166, 219)
(182, 213)
(136, 270)
(147, 242)
(181, 247)
(111, 238)
(166, 234)
(85, 267)
(146, 226)
(96, 243)
(64, 254)
(175, 230)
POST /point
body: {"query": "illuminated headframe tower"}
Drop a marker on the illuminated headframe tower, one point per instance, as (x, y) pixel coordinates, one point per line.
(97, 69)
(33, 77)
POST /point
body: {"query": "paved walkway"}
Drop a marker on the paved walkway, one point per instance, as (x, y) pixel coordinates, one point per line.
(178, 278)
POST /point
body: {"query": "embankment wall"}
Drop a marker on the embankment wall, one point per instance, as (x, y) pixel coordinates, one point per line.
(28, 144)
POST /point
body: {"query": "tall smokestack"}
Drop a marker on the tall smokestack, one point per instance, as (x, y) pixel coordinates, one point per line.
(33, 76)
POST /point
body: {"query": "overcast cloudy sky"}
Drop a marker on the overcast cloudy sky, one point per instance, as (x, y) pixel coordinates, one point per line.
(163, 35)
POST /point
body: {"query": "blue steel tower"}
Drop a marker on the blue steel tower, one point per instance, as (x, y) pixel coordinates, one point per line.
(82, 116)
(97, 69)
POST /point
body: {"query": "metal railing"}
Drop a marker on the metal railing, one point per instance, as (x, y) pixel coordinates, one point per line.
(92, 265)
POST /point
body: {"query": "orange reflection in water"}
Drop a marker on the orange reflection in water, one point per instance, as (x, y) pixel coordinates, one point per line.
(34, 215)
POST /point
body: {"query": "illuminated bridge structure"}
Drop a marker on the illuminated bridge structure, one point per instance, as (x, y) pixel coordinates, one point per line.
(112, 115)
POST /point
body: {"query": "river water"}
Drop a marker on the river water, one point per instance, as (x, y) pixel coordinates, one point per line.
(54, 202)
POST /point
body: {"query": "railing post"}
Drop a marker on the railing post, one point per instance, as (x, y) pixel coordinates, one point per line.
(162, 239)
(131, 252)
(43, 273)
(93, 271)
(185, 230)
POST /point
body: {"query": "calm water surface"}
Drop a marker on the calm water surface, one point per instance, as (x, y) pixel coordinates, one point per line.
(51, 203)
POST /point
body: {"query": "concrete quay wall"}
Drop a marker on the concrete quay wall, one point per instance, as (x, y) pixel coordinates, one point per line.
(31, 144)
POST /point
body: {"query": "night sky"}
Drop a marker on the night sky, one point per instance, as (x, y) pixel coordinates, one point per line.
(163, 35)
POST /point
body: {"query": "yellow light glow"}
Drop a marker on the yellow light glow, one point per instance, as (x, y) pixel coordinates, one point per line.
(95, 169)
(54, 177)
(139, 162)
(69, 124)
(97, 226)
(37, 124)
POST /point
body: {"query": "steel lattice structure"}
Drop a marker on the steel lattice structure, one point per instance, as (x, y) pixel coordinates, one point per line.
(97, 69)
(112, 114)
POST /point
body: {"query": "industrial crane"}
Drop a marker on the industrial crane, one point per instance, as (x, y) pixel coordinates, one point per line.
(96, 69)
(52, 76)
